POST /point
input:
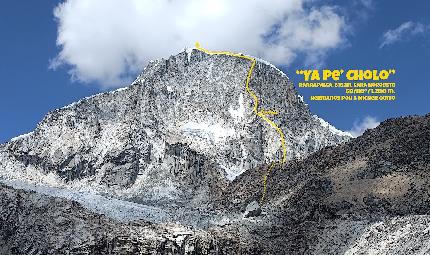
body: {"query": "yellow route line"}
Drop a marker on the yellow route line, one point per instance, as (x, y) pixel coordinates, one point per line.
(269, 170)
(262, 113)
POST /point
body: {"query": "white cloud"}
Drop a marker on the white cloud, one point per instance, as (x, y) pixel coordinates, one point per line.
(107, 40)
(359, 127)
(405, 30)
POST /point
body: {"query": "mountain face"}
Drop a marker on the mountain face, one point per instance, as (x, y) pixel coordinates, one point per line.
(175, 138)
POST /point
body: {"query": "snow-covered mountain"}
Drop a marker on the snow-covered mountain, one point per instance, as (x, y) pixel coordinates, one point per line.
(179, 132)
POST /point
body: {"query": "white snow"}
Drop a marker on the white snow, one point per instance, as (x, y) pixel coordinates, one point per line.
(213, 132)
(303, 139)
(110, 138)
(21, 136)
(189, 51)
(232, 171)
(271, 65)
(158, 148)
(120, 89)
(239, 113)
(92, 96)
(301, 99)
(181, 235)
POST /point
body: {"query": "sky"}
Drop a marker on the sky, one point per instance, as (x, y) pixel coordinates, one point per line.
(53, 53)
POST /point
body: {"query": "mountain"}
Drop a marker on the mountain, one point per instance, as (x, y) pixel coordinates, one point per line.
(174, 138)
(174, 164)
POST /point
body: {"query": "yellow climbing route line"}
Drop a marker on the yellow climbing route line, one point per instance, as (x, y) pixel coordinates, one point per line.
(262, 113)
(269, 170)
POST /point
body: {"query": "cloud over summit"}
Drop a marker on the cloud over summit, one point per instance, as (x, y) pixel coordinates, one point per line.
(106, 41)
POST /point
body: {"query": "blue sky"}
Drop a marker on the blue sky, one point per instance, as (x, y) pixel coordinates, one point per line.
(30, 89)
(410, 57)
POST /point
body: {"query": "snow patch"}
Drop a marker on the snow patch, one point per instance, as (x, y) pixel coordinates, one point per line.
(264, 62)
(232, 171)
(21, 137)
(214, 132)
(158, 148)
(238, 113)
(189, 51)
(271, 65)
(110, 139)
(92, 96)
(119, 90)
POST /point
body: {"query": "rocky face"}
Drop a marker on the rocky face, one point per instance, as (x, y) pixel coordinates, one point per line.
(178, 134)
